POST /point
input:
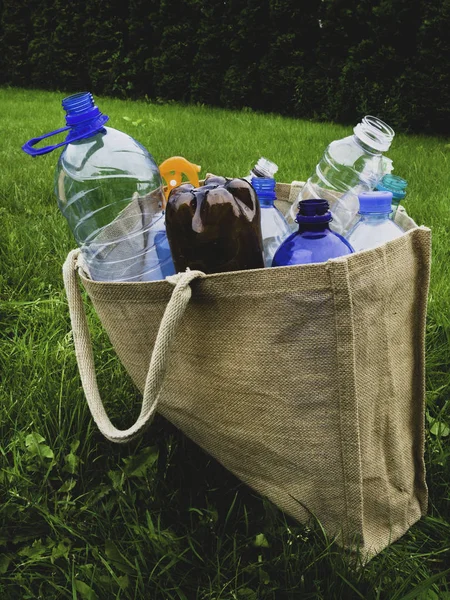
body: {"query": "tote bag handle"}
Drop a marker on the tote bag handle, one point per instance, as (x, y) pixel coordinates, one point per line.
(158, 363)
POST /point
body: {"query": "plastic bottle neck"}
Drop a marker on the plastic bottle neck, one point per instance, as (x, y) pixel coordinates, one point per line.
(266, 202)
(313, 215)
(82, 115)
(374, 134)
(375, 217)
(264, 168)
(313, 227)
(265, 190)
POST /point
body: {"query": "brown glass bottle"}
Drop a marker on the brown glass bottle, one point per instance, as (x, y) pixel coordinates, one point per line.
(216, 227)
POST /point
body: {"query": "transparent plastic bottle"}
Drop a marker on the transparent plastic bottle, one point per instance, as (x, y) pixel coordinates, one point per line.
(374, 227)
(110, 191)
(348, 167)
(314, 242)
(263, 168)
(396, 185)
(273, 224)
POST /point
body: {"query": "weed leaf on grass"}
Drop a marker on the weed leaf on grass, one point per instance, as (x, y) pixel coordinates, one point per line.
(85, 591)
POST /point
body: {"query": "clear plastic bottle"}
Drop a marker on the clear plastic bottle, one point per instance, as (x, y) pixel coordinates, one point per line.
(396, 185)
(348, 167)
(263, 168)
(374, 227)
(273, 224)
(110, 190)
(314, 242)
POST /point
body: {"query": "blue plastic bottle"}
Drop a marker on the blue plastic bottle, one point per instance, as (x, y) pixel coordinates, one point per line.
(396, 185)
(110, 191)
(314, 242)
(374, 227)
(274, 227)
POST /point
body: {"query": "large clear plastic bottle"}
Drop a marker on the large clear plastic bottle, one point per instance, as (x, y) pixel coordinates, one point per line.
(374, 227)
(110, 190)
(349, 166)
(314, 242)
(273, 224)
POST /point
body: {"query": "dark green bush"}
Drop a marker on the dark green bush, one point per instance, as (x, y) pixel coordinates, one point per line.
(316, 59)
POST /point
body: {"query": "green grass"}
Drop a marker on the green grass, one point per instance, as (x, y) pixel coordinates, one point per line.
(82, 518)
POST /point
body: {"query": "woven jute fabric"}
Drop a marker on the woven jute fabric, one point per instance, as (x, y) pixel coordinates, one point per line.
(307, 382)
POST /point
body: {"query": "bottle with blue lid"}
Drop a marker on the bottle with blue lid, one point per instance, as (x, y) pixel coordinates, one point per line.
(274, 227)
(110, 191)
(314, 242)
(374, 227)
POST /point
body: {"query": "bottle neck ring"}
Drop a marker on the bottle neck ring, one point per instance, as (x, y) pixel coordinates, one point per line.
(313, 212)
(313, 227)
(371, 216)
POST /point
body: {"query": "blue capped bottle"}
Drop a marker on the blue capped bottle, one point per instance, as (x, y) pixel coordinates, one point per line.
(374, 227)
(314, 242)
(274, 227)
(110, 191)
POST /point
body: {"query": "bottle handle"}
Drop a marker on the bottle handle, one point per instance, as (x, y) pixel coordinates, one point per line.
(28, 147)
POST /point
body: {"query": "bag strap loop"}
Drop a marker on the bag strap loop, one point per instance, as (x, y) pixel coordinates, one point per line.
(158, 363)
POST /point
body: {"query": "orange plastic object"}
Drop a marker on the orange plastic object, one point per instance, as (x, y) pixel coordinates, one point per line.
(172, 170)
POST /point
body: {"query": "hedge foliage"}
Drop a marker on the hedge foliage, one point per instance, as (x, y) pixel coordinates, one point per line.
(321, 59)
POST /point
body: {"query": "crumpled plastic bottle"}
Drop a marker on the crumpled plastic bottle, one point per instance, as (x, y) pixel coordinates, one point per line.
(215, 227)
(349, 166)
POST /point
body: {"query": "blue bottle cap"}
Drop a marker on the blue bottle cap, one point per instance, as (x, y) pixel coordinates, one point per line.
(375, 202)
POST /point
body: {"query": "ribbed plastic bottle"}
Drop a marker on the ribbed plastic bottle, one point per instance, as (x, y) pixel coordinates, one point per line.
(273, 224)
(348, 167)
(396, 185)
(374, 227)
(110, 191)
(314, 242)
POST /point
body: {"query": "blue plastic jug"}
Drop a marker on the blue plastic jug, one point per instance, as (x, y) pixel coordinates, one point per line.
(314, 242)
(110, 191)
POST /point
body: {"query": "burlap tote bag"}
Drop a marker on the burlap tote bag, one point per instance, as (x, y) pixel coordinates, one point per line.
(306, 382)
